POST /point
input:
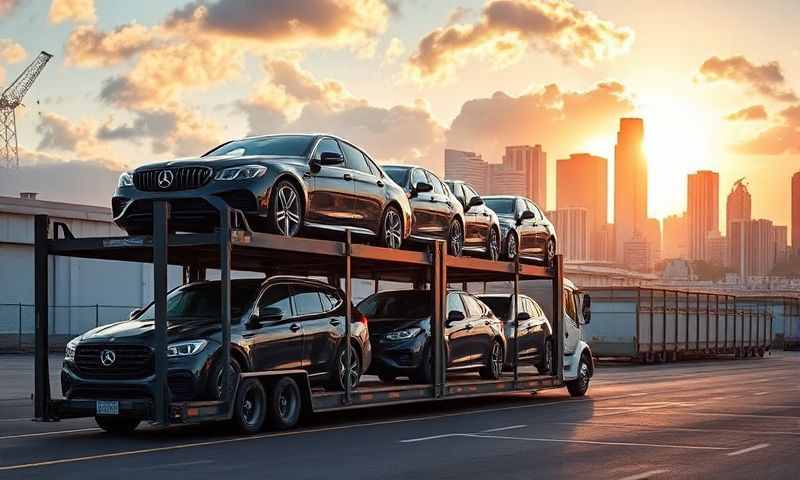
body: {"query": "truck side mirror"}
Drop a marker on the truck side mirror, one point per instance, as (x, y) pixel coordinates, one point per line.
(587, 309)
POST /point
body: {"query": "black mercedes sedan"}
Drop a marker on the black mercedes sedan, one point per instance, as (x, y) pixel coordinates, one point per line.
(284, 184)
(524, 229)
(283, 323)
(401, 338)
(481, 226)
(437, 213)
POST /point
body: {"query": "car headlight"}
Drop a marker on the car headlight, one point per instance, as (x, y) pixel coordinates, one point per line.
(125, 180)
(245, 172)
(185, 349)
(402, 334)
(69, 352)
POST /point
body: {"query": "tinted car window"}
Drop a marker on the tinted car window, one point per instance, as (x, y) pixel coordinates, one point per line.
(454, 304)
(501, 206)
(418, 176)
(470, 192)
(306, 301)
(327, 145)
(437, 184)
(376, 170)
(456, 189)
(533, 208)
(521, 207)
(500, 306)
(398, 174)
(203, 300)
(276, 296)
(285, 145)
(473, 306)
(407, 304)
(569, 305)
(329, 301)
(355, 159)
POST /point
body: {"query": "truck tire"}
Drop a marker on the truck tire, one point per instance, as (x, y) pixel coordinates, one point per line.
(285, 404)
(117, 425)
(579, 386)
(250, 406)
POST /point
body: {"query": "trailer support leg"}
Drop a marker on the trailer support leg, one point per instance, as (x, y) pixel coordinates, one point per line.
(225, 302)
(348, 293)
(41, 394)
(160, 241)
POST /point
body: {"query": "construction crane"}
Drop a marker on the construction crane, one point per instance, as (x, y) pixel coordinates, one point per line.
(9, 101)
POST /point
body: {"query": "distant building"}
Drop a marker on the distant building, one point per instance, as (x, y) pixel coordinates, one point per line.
(677, 270)
(637, 254)
(506, 181)
(702, 210)
(753, 245)
(796, 213)
(531, 160)
(582, 182)
(652, 232)
(572, 227)
(468, 167)
(781, 243)
(739, 204)
(602, 244)
(675, 242)
(716, 248)
(630, 183)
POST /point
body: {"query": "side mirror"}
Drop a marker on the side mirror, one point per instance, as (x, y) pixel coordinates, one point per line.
(523, 316)
(454, 316)
(331, 158)
(421, 187)
(526, 215)
(135, 313)
(474, 202)
(269, 314)
(586, 310)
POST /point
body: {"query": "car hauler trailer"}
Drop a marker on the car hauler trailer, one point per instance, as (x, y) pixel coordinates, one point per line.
(233, 246)
(653, 324)
(785, 317)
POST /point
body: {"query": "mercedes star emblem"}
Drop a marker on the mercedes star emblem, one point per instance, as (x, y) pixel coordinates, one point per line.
(107, 358)
(165, 178)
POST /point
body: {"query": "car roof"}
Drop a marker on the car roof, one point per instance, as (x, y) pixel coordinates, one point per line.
(272, 279)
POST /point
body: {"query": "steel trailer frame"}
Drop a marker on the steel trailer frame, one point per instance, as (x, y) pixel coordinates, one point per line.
(234, 246)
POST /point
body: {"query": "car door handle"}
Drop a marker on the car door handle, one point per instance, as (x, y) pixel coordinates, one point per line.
(294, 327)
(379, 183)
(347, 176)
(335, 322)
(566, 334)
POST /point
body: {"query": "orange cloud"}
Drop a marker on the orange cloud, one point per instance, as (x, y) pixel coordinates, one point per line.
(755, 112)
(11, 51)
(766, 79)
(72, 10)
(89, 47)
(782, 138)
(507, 28)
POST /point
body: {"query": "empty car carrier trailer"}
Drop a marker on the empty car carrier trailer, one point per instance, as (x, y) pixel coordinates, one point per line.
(233, 246)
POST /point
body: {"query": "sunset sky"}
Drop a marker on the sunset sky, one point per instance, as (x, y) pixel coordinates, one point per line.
(717, 83)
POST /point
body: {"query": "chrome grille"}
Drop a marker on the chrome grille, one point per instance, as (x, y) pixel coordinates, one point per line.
(131, 361)
(183, 178)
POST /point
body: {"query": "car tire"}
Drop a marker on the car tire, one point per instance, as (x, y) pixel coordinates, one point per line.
(455, 239)
(494, 362)
(512, 246)
(545, 365)
(391, 233)
(337, 377)
(250, 406)
(387, 377)
(214, 383)
(493, 244)
(550, 253)
(579, 386)
(285, 404)
(117, 425)
(286, 209)
(423, 374)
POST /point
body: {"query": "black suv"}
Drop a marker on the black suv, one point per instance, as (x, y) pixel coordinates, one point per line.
(283, 184)
(481, 226)
(284, 323)
(437, 213)
(401, 338)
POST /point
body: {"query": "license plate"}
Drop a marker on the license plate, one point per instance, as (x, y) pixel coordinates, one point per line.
(107, 407)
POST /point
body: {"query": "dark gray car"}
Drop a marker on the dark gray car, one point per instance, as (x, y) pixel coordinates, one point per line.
(524, 229)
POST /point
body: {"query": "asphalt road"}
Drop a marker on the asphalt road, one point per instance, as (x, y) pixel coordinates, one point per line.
(716, 419)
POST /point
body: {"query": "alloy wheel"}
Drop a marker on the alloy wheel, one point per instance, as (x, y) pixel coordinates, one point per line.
(511, 250)
(456, 239)
(583, 374)
(551, 251)
(494, 245)
(392, 229)
(497, 359)
(287, 210)
(355, 368)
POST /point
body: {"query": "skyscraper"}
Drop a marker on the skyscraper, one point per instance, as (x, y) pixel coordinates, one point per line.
(582, 182)
(652, 232)
(702, 211)
(676, 237)
(630, 183)
(796, 213)
(504, 180)
(753, 246)
(781, 243)
(572, 225)
(739, 203)
(468, 167)
(532, 161)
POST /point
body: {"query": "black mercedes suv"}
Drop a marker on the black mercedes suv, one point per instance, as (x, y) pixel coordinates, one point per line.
(283, 183)
(400, 333)
(283, 323)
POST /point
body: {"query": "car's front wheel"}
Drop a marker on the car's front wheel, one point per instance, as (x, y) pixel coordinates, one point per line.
(550, 253)
(455, 239)
(511, 246)
(493, 245)
(286, 209)
(391, 235)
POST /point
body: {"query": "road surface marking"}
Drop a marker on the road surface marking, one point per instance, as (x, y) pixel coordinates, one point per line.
(593, 442)
(760, 393)
(749, 449)
(124, 453)
(645, 475)
(502, 429)
(43, 434)
(677, 429)
(168, 465)
(432, 437)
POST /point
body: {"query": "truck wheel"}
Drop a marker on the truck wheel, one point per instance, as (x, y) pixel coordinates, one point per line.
(579, 386)
(285, 404)
(117, 425)
(494, 362)
(249, 409)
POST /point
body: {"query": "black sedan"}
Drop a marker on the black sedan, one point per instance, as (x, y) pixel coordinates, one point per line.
(400, 334)
(524, 228)
(481, 226)
(283, 184)
(534, 332)
(437, 213)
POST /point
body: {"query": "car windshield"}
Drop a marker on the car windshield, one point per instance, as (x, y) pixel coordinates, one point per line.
(408, 304)
(283, 145)
(203, 301)
(498, 305)
(501, 206)
(398, 174)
